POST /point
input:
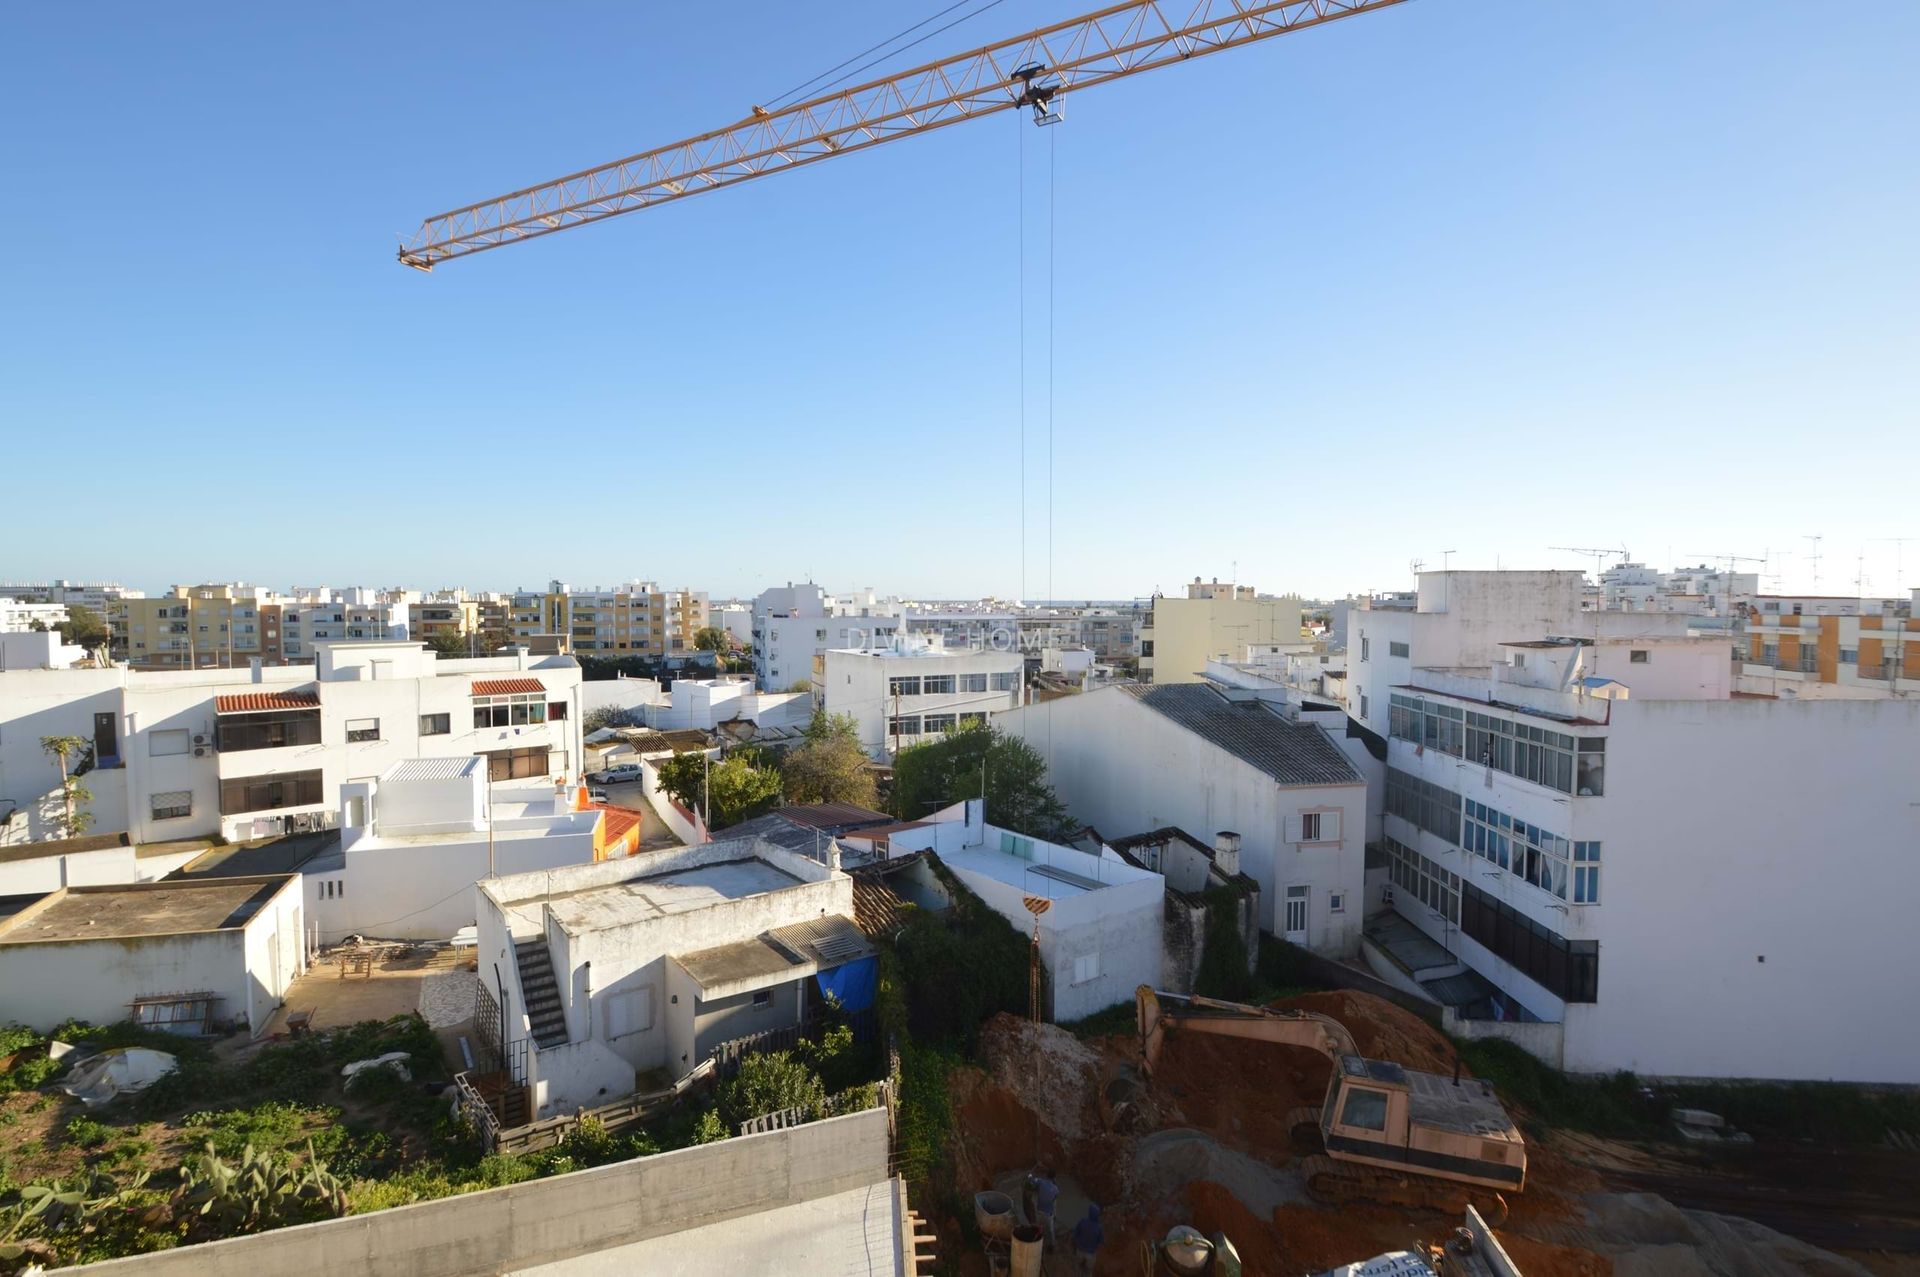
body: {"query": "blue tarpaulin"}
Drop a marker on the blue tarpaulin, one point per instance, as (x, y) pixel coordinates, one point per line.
(853, 983)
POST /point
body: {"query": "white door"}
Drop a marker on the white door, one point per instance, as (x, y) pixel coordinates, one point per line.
(1296, 919)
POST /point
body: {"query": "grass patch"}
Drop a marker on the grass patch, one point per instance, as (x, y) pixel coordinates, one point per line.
(1607, 1106)
(1829, 1112)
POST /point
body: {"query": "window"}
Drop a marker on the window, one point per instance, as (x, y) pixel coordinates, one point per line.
(1586, 873)
(904, 725)
(1086, 967)
(1310, 827)
(1434, 808)
(516, 764)
(972, 716)
(1364, 708)
(168, 740)
(1849, 656)
(904, 685)
(362, 729)
(1366, 647)
(1365, 1109)
(1395, 648)
(1639, 656)
(630, 1011)
(516, 710)
(932, 723)
(436, 724)
(270, 730)
(173, 804)
(1336, 902)
(972, 682)
(1591, 772)
(937, 685)
(1011, 682)
(268, 793)
(763, 1000)
(1146, 649)
(556, 711)
(1435, 725)
(1568, 969)
(1418, 878)
(1514, 845)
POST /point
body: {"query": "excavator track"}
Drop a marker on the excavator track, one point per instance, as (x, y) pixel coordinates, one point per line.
(1333, 1182)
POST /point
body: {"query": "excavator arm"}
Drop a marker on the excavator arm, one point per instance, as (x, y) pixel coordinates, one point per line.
(1158, 1013)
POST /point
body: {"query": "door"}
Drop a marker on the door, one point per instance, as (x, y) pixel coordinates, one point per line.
(106, 739)
(1295, 931)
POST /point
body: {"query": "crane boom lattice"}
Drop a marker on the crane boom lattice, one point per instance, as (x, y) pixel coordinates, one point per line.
(1032, 70)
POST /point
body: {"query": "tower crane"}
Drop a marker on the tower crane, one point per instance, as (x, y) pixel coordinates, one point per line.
(1035, 71)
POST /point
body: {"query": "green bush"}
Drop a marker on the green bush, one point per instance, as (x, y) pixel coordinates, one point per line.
(768, 1083)
(931, 949)
(1609, 1106)
(271, 1125)
(84, 1132)
(925, 1114)
(1223, 961)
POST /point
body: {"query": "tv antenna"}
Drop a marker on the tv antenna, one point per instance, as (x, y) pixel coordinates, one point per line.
(1814, 558)
(1598, 556)
(1899, 548)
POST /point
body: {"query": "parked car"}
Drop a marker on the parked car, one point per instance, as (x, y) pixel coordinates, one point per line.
(619, 774)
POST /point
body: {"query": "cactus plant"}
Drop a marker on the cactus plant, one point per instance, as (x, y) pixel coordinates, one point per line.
(218, 1198)
(39, 1211)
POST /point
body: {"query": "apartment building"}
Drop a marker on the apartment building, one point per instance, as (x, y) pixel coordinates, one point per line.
(1216, 619)
(97, 596)
(197, 752)
(793, 624)
(916, 689)
(352, 614)
(1113, 633)
(1595, 849)
(196, 627)
(17, 617)
(636, 618)
(444, 612)
(1806, 646)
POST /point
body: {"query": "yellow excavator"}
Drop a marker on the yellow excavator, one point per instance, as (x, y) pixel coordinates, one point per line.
(1384, 1133)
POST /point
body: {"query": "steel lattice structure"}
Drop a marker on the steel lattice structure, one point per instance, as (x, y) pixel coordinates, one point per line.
(1032, 70)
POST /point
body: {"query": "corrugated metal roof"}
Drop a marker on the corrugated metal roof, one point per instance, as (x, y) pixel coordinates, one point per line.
(450, 768)
(833, 817)
(1252, 731)
(253, 702)
(830, 941)
(506, 686)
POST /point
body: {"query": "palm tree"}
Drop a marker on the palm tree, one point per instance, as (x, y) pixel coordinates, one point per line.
(60, 748)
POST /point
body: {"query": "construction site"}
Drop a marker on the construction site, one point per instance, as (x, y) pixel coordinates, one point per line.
(1207, 1143)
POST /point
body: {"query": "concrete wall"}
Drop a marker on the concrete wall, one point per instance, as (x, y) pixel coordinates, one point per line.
(509, 1229)
(723, 1019)
(1186, 632)
(1125, 769)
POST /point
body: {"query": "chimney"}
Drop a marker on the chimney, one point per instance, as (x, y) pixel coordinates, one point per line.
(1226, 852)
(253, 668)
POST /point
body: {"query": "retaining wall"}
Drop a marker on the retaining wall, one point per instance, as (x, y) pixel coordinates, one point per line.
(503, 1229)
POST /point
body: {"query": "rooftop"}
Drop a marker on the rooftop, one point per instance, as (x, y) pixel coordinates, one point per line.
(254, 702)
(636, 900)
(450, 768)
(506, 686)
(833, 817)
(1252, 731)
(265, 856)
(167, 908)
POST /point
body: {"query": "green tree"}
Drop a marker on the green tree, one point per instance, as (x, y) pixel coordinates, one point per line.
(82, 627)
(683, 777)
(454, 643)
(829, 766)
(801, 685)
(60, 748)
(711, 638)
(955, 767)
(739, 790)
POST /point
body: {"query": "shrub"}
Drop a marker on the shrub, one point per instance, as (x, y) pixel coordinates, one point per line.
(769, 1083)
(84, 1132)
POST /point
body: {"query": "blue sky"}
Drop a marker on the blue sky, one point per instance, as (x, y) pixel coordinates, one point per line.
(1478, 276)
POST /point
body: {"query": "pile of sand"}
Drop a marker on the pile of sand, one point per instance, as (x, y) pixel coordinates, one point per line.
(1052, 1072)
(1165, 1161)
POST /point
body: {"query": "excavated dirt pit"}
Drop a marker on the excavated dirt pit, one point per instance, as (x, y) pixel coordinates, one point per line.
(1207, 1144)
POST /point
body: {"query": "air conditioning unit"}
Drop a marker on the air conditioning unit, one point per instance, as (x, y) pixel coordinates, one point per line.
(199, 740)
(201, 751)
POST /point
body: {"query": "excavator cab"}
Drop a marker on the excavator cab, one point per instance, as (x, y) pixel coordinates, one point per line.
(1381, 1114)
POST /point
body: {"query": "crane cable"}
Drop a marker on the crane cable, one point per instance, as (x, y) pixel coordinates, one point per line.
(774, 105)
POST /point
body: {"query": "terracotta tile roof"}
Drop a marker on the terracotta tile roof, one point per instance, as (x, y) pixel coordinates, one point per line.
(833, 817)
(506, 686)
(878, 909)
(252, 702)
(619, 819)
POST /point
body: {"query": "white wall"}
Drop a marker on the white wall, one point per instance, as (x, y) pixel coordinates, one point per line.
(857, 684)
(1126, 769)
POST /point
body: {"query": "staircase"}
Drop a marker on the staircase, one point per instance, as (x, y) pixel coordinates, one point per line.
(544, 1012)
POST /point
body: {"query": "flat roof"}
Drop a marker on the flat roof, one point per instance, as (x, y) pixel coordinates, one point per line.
(1032, 877)
(635, 900)
(142, 909)
(755, 959)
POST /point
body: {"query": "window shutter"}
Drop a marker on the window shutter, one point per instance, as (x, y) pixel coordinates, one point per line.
(1329, 826)
(1291, 829)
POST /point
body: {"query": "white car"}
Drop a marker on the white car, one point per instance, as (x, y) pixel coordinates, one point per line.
(619, 774)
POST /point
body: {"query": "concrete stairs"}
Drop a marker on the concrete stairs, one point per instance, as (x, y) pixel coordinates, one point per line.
(537, 985)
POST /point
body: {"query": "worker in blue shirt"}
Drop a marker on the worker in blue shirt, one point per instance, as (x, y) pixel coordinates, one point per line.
(1044, 1193)
(1087, 1236)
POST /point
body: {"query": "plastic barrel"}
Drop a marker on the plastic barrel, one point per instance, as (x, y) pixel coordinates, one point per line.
(1027, 1240)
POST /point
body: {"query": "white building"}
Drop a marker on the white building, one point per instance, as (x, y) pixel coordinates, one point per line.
(97, 596)
(602, 972)
(415, 838)
(736, 618)
(322, 614)
(219, 950)
(186, 753)
(1101, 934)
(1204, 758)
(1633, 870)
(915, 689)
(792, 624)
(17, 617)
(38, 650)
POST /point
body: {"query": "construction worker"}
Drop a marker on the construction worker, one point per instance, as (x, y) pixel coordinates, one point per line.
(1042, 1194)
(1087, 1236)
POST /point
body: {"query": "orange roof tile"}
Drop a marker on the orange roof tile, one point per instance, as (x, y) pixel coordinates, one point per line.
(252, 702)
(506, 686)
